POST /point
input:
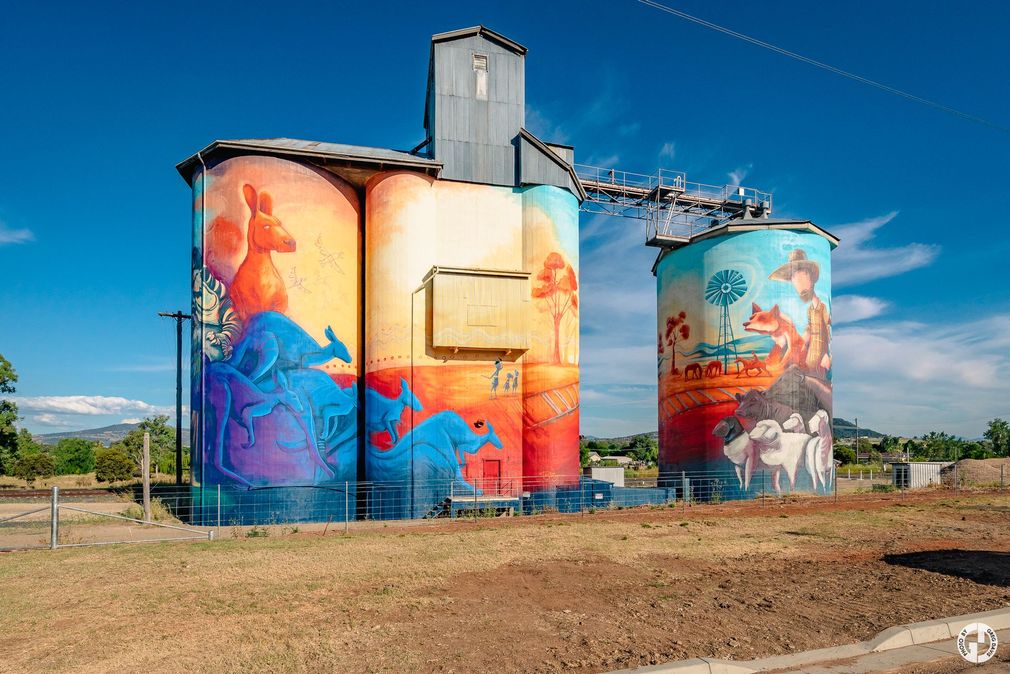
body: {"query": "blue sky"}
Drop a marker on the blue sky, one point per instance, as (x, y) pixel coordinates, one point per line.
(101, 100)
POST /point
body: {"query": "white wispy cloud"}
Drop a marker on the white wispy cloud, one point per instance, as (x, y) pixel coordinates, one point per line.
(51, 420)
(910, 377)
(629, 129)
(10, 235)
(739, 174)
(131, 420)
(857, 260)
(852, 308)
(87, 405)
(668, 150)
(541, 125)
(597, 117)
(604, 161)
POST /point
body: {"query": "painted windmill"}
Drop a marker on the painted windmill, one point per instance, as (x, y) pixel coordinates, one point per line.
(723, 289)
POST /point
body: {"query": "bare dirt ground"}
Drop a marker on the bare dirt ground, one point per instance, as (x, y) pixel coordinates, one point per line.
(541, 594)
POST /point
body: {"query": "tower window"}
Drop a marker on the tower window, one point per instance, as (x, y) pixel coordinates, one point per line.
(480, 73)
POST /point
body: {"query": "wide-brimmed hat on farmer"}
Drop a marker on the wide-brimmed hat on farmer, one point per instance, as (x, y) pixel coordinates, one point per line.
(797, 262)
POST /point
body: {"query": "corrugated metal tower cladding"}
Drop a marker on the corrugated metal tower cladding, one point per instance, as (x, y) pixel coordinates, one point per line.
(475, 116)
(313, 257)
(475, 106)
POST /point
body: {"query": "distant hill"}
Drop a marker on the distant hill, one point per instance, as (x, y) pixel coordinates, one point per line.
(105, 435)
(621, 441)
(842, 429)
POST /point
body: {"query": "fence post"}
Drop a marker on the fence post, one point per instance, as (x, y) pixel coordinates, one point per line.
(145, 471)
(54, 521)
(871, 475)
(475, 500)
(346, 505)
(219, 508)
(1002, 481)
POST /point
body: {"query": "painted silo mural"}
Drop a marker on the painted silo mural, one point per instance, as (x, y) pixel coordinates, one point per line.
(744, 360)
(463, 336)
(551, 366)
(277, 294)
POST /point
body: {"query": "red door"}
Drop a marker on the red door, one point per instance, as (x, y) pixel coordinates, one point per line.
(492, 476)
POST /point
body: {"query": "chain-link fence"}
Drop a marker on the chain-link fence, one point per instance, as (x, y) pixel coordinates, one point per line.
(93, 516)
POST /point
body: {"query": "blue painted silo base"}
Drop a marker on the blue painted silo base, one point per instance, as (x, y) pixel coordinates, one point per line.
(232, 506)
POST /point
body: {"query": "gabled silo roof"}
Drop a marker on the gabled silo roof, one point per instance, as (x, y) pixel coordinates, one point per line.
(482, 31)
(371, 157)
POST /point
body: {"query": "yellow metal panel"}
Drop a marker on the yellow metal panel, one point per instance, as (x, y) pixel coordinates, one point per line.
(475, 309)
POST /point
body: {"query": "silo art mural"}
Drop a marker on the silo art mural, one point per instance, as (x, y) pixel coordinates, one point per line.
(744, 360)
(276, 285)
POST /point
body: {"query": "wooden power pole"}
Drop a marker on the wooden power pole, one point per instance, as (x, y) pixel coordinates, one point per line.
(145, 471)
(179, 318)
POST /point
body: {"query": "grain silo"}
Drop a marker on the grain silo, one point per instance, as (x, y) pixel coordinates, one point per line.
(399, 328)
(744, 358)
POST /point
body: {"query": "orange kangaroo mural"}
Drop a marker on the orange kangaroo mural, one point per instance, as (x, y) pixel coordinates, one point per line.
(257, 286)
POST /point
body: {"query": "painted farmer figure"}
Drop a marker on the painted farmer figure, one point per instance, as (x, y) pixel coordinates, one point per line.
(803, 273)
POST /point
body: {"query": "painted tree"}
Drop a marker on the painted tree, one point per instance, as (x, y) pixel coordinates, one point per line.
(676, 328)
(558, 294)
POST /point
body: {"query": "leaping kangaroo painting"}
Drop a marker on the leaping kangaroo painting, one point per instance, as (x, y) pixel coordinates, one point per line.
(257, 286)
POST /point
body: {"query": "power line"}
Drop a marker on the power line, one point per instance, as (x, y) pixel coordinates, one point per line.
(829, 68)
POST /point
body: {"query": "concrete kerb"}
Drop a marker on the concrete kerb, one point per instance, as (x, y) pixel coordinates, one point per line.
(901, 636)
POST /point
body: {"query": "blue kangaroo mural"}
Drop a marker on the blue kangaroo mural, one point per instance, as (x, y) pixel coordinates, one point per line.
(435, 443)
(383, 414)
(270, 366)
(432, 454)
(232, 396)
(273, 341)
(425, 465)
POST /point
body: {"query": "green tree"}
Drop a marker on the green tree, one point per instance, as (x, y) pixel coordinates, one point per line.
(24, 444)
(593, 444)
(8, 416)
(845, 454)
(976, 450)
(583, 456)
(866, 446)
(940, 446)
(889, 445)
(74, 456)
(113, 464)
(32, 466)
(645, 448)
(162, 442)
(998, 435)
